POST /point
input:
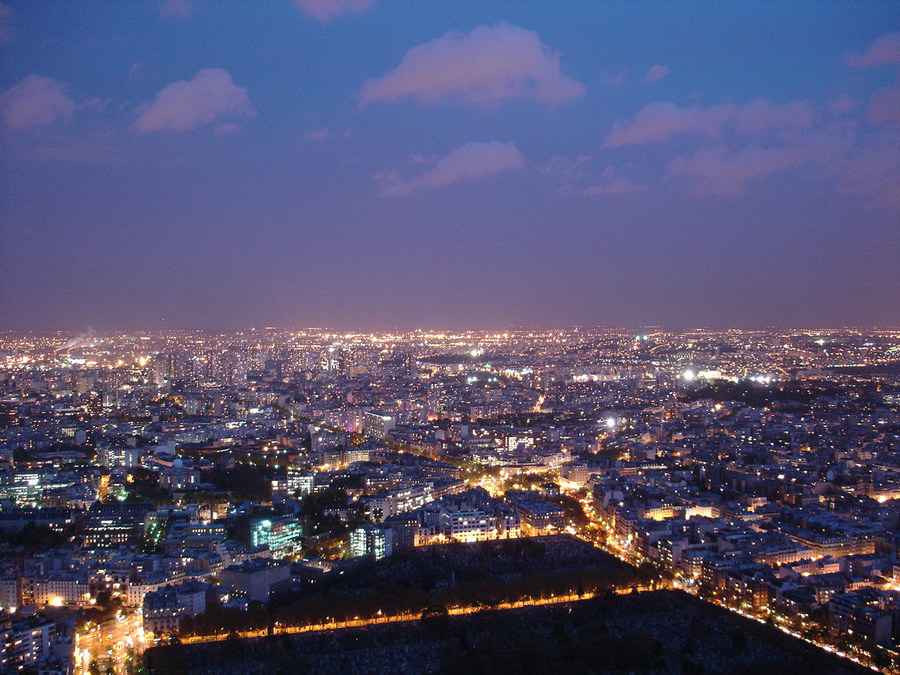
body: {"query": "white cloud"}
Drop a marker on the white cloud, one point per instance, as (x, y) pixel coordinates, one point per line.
(658, 122)
(884, 105)
(468, 162)
(325, 134)
(36, 101)
(318, 134)
(718, 171)
(725, 172)
(618, 186)
(177, 9)
(885, 49)
(655, 74)
(873, 171)
(842, 105)
(570, 169)
(325, 10)
(579, 177)
(227, 128)
(489, 65)
(188, 104)
(761, 115)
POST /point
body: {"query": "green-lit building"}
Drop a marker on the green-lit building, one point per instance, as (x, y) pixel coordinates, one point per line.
(281, 534)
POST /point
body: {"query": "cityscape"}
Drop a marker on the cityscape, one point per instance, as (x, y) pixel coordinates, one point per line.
(364, 337)
(204, 487)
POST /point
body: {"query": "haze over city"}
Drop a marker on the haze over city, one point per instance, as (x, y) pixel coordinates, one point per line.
(373, 165)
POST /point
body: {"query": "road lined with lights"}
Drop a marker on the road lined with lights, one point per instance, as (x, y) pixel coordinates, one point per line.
(608, 542)
(116, 641)
(356, 622)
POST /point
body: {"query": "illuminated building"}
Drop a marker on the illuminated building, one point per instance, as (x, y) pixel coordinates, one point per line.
(374, 540)
(26, 642)
(115, 524)
(164, 608)
(377, 423)
(282, 534)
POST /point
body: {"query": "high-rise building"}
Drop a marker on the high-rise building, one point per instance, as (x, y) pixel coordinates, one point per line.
(282, 534)
(374, 540)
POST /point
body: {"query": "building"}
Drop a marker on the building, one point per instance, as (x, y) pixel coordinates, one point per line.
(467, 525)
(115, 524)
(178, 477)
(110, 455)
(9, 593)
(382, 506)
(257, 579)
(868, 612)
(26, 642)
(538, 516)
(60, 588)
(137, 589)
(281, 534)
(295, 484)
(373, 540)
(164, 608)
(377, 423)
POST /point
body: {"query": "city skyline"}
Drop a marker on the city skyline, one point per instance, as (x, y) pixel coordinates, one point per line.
(373, 165)
(178, 501)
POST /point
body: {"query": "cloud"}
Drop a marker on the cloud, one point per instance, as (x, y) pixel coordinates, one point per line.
(318, 134)
(325, 10)
(468, 162)
(618, 186)
(94, 103)
(742, 144)
(842, 105)
(7, 32)
(489, 65)
(655, 74)
(188, 104)
(227, 128)
(761, 115)
(885, 49)
(178, 9)
(873, 172)
(884, 105)
(568, 168)
(36, 101)
(579, 178)
(723, 172)
(658, 122)
(324, 134)
(717, 171)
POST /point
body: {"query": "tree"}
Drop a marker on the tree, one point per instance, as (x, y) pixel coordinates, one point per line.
(34, 537)
(738, 640)
(187, 626)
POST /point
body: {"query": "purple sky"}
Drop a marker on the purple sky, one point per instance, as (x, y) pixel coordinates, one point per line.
(374, 164)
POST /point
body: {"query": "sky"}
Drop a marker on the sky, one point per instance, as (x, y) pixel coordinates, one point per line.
(380, 164)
